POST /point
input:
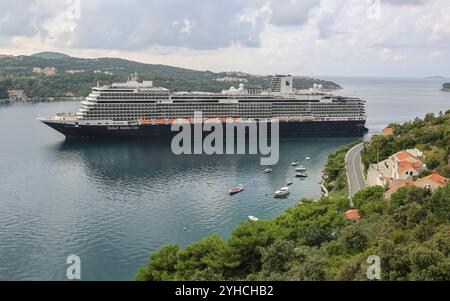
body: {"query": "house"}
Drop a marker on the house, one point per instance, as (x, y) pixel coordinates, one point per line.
(75, 71)
(17, 94)
(49, 71)
(388, 132)
(431, 182)
(406, 164)
(396, 185)
(396, 169)
(37, 70)
(46, 70)
(353, 214)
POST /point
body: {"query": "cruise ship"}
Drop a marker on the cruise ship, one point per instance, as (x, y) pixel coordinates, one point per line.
(138, 109)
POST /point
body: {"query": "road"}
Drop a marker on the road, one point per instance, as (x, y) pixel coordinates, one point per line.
(355, 176)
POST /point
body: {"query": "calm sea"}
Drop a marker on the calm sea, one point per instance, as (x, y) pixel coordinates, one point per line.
(112, 203)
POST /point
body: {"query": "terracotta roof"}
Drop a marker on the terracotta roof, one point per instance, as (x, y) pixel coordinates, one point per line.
(352, 214)
(397, 184)
(406, 168)
(403, 155)
(412, 164)
(436, 178)
(388, 131)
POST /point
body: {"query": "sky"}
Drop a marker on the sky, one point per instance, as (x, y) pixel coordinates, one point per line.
(398, 38)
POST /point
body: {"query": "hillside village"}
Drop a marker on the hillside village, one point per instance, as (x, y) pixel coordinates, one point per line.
(402, 169)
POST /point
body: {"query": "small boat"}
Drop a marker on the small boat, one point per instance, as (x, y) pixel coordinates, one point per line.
(282, 192)
(300, 169)
(236, 189)
(301, 175)
(295, 163)
(253, 218)
(308, 158)
(268, 170)
(289, 183)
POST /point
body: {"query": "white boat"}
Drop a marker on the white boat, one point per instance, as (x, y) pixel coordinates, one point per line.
(308, 158)
(301, 175)
(268, 170)
(282, 192)
(300, 169)
(253, 218)
(295, 163)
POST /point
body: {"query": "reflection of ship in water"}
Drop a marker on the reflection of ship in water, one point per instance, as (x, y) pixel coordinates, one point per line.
(151, 165)
(140, 110)
(146, 163)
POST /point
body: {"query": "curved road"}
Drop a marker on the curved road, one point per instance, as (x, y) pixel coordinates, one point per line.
(355, 176)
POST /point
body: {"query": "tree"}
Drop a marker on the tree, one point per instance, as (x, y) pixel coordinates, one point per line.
(428, 264)
(407, 195)
(277, 257)
(409, 216)
(199, 256)
(313, 268)
(310, 223)
(354, 238)
(439, 202)
(161, 266)
(370, 194)
(247, 241)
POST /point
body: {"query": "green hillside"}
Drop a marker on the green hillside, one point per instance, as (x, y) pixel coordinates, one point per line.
(50, 55)
(17, 73)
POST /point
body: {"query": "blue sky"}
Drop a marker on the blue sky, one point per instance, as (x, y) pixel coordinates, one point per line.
(304, 37)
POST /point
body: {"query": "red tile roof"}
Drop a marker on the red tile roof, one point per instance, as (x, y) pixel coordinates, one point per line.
(403, 155)
(412, 164)
(436, 178)
(388, 131)
(397, 184)
(353, 214)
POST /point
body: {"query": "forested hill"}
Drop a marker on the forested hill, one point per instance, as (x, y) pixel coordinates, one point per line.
(78, 75)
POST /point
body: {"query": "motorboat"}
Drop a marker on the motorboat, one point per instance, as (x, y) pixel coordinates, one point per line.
(308, 158)
(268, 170)
(300, 169)
(282, 192)
(301, 175)
(289, 183)
(253, 218)
(295, 163)
(236, 189)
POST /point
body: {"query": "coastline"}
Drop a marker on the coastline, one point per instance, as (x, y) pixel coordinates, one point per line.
(40, 100)
(254, 250)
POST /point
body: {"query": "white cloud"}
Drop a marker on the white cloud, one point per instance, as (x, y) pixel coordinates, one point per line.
(321, 36)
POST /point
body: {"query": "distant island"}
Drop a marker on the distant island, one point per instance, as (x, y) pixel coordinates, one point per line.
(446, 87)
(51, 74)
